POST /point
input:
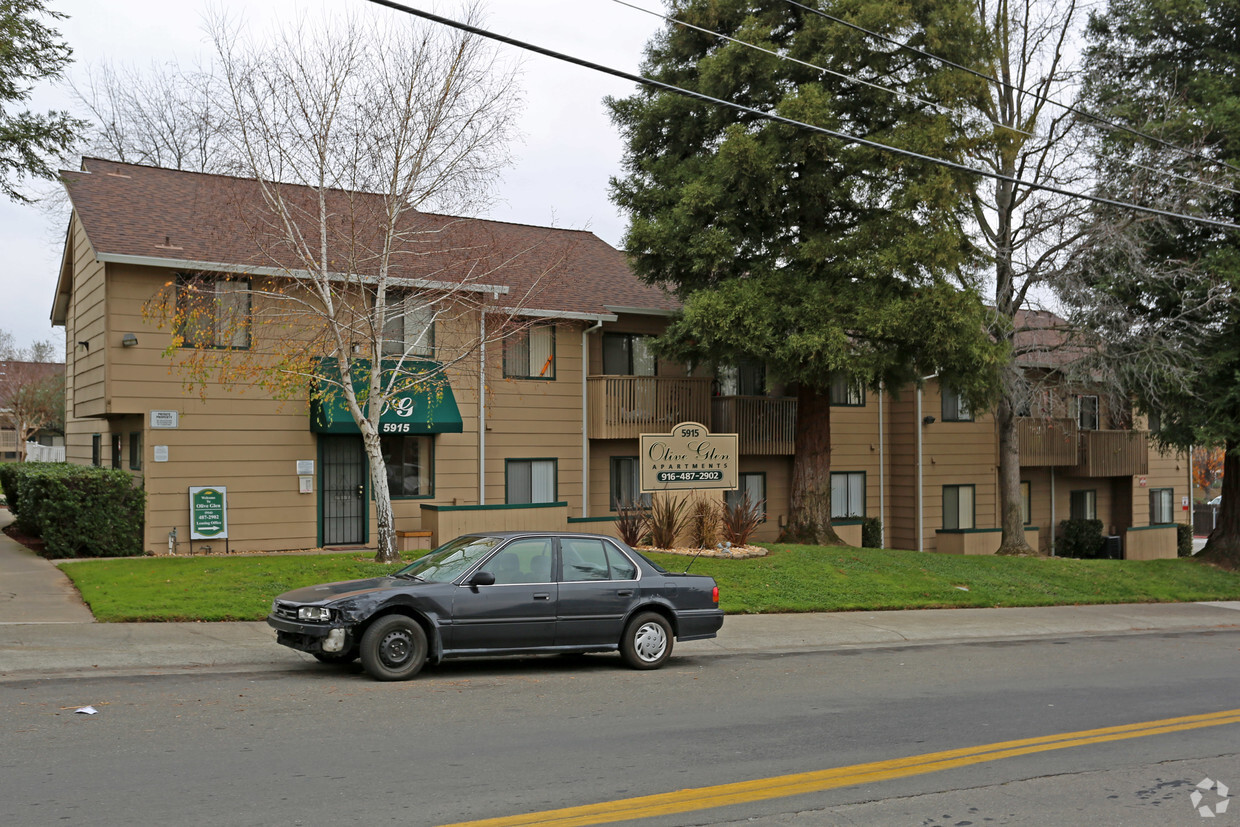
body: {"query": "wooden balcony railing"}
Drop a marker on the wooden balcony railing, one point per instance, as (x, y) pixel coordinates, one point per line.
(1047, 441)
(1114, 453)
(625, 407)
(763, 425)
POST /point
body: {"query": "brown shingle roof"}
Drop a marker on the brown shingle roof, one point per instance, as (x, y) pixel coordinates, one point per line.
(179, 219)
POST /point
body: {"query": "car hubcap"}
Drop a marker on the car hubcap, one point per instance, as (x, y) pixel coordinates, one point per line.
(395, 648)
(650, 642)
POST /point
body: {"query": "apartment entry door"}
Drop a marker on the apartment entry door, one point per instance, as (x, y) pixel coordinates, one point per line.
(343, 491)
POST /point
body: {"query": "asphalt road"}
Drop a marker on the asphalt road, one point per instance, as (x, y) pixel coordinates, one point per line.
(310, 745)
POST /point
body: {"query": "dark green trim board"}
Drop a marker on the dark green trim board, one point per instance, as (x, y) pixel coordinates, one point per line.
(433, 507)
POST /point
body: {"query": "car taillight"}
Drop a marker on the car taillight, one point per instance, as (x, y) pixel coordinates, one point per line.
(714, 594)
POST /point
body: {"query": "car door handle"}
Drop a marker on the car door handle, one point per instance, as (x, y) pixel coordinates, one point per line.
(542, 595)
(624, 593)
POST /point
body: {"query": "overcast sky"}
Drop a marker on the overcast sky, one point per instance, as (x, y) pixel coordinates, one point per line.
(568, 151)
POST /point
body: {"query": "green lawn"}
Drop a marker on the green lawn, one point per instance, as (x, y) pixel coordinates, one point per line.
(790, 579)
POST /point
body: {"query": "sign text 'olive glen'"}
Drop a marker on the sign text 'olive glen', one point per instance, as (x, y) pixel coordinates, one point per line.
(208, 512)
(687, 458)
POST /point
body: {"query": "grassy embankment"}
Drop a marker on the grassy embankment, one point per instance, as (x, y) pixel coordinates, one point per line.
(790, 579)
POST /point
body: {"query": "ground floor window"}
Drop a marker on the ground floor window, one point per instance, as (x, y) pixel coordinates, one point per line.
(96, 449)
(753, 484)
(1083, 505)
(1026, 502)
(409, 465)
(135, 450)
(957, 507)
(529, 481)
(1162, 509)
(626, 483)
(116, 451)
(847, 494)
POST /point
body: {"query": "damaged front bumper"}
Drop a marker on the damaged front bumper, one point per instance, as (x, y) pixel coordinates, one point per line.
(315, 638)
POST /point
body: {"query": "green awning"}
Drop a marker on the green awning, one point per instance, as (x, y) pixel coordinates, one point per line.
(425, 408)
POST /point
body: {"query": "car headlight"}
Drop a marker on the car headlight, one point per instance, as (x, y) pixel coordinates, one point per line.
(314, 613)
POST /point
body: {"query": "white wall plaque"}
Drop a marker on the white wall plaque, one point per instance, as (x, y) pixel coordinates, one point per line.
(161, 453)
(305, 466)
(164, 419)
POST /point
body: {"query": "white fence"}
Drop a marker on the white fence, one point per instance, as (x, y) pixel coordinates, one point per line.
(44, 453)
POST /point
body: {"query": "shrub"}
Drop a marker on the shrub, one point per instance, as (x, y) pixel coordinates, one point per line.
(1184, 539)
(668, 518)
(79, 511)
(741, 519)
(632, 522)
(8, 484)
(704, 522)
(1081, 538)
(872, 533)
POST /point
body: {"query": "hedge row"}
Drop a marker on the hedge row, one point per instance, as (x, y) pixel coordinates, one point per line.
(79, 511)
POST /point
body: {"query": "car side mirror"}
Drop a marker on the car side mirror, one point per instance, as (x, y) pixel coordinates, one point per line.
(481, 578)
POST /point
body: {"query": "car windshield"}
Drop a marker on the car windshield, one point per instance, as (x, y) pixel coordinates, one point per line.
(451, 560)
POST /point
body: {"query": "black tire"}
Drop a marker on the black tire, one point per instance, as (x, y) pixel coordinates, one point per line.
(335, 658)
(393, 648)
(647, 641)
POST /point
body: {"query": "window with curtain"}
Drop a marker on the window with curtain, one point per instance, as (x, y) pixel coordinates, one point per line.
(530, 481)
(957, 507)
(213, 312)
(753, 484)
(117, 447)
(1083, 505)
(1087, 413)
(628, 354)
(1162, 506)
(625, 483)
(409, 328)
(955, 407)
(530, 353)
(1026, 503)
(846, 393)
(746, 379)
(847, 494)
(135, 450)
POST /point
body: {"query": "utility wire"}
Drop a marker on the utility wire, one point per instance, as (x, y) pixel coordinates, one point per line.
(853, 139)
(1074, 110)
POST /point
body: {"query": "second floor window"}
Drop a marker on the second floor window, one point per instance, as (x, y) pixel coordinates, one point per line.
(746, 379)
(955, 407)
(628, 354)
(409, 328)
(845, 392)
(1087, 413)
(530, 353)
(213, 312)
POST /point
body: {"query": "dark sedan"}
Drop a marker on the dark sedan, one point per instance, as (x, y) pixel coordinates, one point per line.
(502, 593)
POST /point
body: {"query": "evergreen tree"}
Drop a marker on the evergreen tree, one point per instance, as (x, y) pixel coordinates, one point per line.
(1169, 289)
(29, 52)
(819, 257)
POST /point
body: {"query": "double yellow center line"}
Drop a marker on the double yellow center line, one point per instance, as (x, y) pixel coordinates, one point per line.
(761, 789)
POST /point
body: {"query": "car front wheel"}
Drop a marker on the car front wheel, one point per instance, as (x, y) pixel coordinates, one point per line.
(393, 648)
(647, 641)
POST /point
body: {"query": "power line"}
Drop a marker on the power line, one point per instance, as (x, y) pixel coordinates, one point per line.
(1074, 110)
(853, 139)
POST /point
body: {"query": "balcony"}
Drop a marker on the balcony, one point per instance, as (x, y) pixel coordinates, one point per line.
(763, 425)
(625, 407)
(1113, 453)
(1047, 441)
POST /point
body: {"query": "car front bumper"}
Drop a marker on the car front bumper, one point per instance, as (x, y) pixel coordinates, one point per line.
(315, 638)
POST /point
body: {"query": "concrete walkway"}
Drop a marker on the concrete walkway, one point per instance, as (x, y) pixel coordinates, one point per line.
(45, 630)
(32, 589)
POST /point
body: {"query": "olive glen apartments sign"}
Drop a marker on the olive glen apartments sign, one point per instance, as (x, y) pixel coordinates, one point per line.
(689, 457)
(208, 512)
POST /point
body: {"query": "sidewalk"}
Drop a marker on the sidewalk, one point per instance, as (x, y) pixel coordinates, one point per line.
(45, 630)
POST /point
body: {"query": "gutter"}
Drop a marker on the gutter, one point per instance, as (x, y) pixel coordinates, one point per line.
(585, 437)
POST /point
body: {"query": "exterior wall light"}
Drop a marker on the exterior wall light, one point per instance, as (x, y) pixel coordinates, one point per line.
(129, 340)
(927, 420)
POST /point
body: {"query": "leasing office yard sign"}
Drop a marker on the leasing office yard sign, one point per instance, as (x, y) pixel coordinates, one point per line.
(208, 512)
(689, 457)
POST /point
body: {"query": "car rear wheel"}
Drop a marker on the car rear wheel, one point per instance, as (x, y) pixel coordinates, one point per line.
(393, 648)
(647, 641)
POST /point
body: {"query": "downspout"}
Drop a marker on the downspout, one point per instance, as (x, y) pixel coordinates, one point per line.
(921, 495)
(482, 408)
(585, 435)
(1052, 511)
(882, 480)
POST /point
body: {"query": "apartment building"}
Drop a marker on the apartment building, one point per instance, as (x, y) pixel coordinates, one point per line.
(538, 430)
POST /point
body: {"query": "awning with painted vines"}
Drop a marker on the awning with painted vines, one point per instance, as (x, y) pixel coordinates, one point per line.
(427, 407)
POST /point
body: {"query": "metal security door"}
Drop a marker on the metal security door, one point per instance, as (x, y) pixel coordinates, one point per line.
(343, 490)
